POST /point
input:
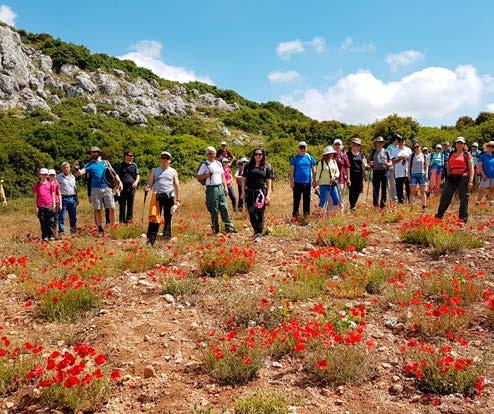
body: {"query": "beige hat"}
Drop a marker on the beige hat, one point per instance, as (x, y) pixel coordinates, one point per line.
(329, 150)
(488, 144)
(338, 141)
(94, 149)
(356, 141)
(166, 153)
(379, 139)
(210, 149)
(460, 139)
(223, 143)
(439, 146)
(52, 172)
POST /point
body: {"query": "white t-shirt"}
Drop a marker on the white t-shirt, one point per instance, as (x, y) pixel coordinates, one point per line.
(402, 167)
(215, 168)
(163, 180)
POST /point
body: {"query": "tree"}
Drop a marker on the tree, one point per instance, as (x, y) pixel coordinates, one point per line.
(483, 117)
(464, 122)
(407, 127)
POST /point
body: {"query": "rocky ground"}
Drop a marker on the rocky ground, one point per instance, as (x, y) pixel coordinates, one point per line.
(152, 337)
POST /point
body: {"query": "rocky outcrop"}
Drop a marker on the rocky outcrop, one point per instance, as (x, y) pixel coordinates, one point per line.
(28, 81)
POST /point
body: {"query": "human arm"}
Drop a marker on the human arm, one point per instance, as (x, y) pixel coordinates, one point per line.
(243, 184)
(268, 190)
(2, 195)
(136, 182)
(480, 170)
(150, 182)
(292, 173)
(471, 172)
(176, 186)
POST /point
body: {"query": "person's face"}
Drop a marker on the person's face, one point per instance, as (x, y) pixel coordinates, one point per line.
(379, 144)
(211, 155)
(355, 146)
(95, 155)
(302, 149)
(459, 146)
(438, 149)
(401, 144)
(337, 146)
(416, 147)
(51, 177)
(223, 147)
(129, 158)
(474, 148)
(66, 169)
(43, 177)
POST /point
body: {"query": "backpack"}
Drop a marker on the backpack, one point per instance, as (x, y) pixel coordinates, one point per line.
(110, 176)
(202, 181)
(322, 170)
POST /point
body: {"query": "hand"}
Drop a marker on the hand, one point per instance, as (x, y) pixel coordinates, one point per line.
(292, 184)
(470, 186)
(146, 188)
(242, 196)
(134, 185)
(349, 183)
(76, 201)
(57, 208)
(36, 210)
(267, 200)
(226, 191)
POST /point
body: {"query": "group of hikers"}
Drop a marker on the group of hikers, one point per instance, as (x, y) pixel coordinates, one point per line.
(397, 168)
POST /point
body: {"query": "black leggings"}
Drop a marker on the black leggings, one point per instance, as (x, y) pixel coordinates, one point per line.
(256, 215)
(165, 204)
(356, 187)
(301, 190)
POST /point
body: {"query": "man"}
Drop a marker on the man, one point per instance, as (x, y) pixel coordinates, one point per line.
(475, 152)
(358, 165)
(302, 169)
(101, 193)
(224, 152)
(380, 161)
(129, 175)
(68, 190)
(216, 190)
(485, 169)
(391, 173)
(401, 161)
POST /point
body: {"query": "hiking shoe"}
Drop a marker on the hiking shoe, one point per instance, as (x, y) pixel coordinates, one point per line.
(257, 237)
(52, 238)
(232, 230)
(46, 239)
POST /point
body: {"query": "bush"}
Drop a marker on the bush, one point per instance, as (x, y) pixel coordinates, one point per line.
(221, 260)
(264, 402)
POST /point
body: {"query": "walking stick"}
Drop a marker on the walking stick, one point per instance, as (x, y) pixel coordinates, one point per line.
(369, 178)
(144, 206)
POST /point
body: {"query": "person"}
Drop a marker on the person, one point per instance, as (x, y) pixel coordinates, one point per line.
(68, 191)
(401, 161)
(380, 162)
(446, 152)
(2, 195)
(101, 193)
(475, 157)
(224, 152)
(256, 190)
(391, 148)
(166, 198)
(358, 164)
(459, 179)
(344, 169)
(44, 200)
(418, 172)
(229, 182)
(436, 163)
(326, 177)
(485, 168)
(128, 172)
(52, 178)
(302, 167)
(211, 171)
(238, 178)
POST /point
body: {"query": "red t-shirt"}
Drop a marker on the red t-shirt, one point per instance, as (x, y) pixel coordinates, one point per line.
(343, 162)
(457, 164)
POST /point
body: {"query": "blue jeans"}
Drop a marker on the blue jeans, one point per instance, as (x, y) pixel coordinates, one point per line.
(332, 191)
(68, 205)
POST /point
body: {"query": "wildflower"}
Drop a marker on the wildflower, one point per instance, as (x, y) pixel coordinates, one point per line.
(115, 375)
(322, 364)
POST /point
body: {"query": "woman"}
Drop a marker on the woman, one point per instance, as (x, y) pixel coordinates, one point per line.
(327, 175)
(459, 179)
(436, 162)
(52, 179)
(418, 173)
(358, 164)
(166, 198)
(238, 178)
(485, 168)
(256, 190)
(44, 200)
(229, 182)
(344, 168)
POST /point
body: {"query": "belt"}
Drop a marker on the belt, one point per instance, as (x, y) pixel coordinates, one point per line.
(214, 185)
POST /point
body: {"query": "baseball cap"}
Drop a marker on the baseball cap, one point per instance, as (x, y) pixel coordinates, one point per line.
(356, 141)
(94, 149)
(224, 160)
(460, 139)
(243, 159)
(166, 153)
(302, 144)
(210, 149)
(475, 144)
(52, 172)
(439, 146)
(43, 171)
(223, 142)
(338, 141)
(379, 139)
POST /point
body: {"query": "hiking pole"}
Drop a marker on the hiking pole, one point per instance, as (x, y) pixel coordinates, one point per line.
(369, 178)
(144, 206)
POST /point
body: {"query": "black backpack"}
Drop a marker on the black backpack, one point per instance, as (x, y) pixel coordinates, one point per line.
(110, 176)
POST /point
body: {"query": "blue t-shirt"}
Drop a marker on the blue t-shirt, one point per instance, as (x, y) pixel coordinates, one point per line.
(487, 164)
(96, 170)
(302, 165)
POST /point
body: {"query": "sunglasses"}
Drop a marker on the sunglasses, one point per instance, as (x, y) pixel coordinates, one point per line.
(337, 143)
(258, 154)
(166, 157)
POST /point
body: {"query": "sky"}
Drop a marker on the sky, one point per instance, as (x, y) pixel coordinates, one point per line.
(355, 61)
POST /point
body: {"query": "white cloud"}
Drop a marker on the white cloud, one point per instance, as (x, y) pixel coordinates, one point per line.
(431, 94)
(348, 44)
(283, 77)
(7, 15)
(147, 53)
(285, 49)
(490, 107)
(404, 58)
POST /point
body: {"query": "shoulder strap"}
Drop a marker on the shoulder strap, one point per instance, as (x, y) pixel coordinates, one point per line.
(411, 162)
(373, 152)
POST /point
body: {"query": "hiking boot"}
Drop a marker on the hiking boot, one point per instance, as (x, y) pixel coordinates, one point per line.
(231, 230)
(257, 237)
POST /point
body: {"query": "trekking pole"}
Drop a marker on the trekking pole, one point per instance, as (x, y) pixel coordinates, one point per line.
(144, 206)
(369, 178)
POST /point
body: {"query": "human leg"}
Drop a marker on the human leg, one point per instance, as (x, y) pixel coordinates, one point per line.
(463, 194)
(306, 199)
(297, 195)
(212, 206)
(446, 197)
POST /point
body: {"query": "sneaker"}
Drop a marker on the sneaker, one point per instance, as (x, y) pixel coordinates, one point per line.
(231, 230)
(52, 238)
(46, 239)
(257, 237)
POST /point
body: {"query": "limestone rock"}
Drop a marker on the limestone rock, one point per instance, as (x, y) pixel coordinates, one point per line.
(45, 63)
(136, 118)
(90, 108)
(69, 70)
(85, 82)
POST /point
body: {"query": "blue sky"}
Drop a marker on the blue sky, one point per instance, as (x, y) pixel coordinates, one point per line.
(354, 61)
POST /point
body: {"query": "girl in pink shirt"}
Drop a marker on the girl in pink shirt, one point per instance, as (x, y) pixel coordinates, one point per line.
(44, 199)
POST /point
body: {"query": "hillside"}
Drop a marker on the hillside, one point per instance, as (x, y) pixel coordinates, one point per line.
(57, 99)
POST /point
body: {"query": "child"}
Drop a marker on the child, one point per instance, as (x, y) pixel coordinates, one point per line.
(229, 184)
(52, 178)
(44, 199)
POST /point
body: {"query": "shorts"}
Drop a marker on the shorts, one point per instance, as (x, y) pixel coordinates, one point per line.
(489, 183)
(418, 179)
(102, 198)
